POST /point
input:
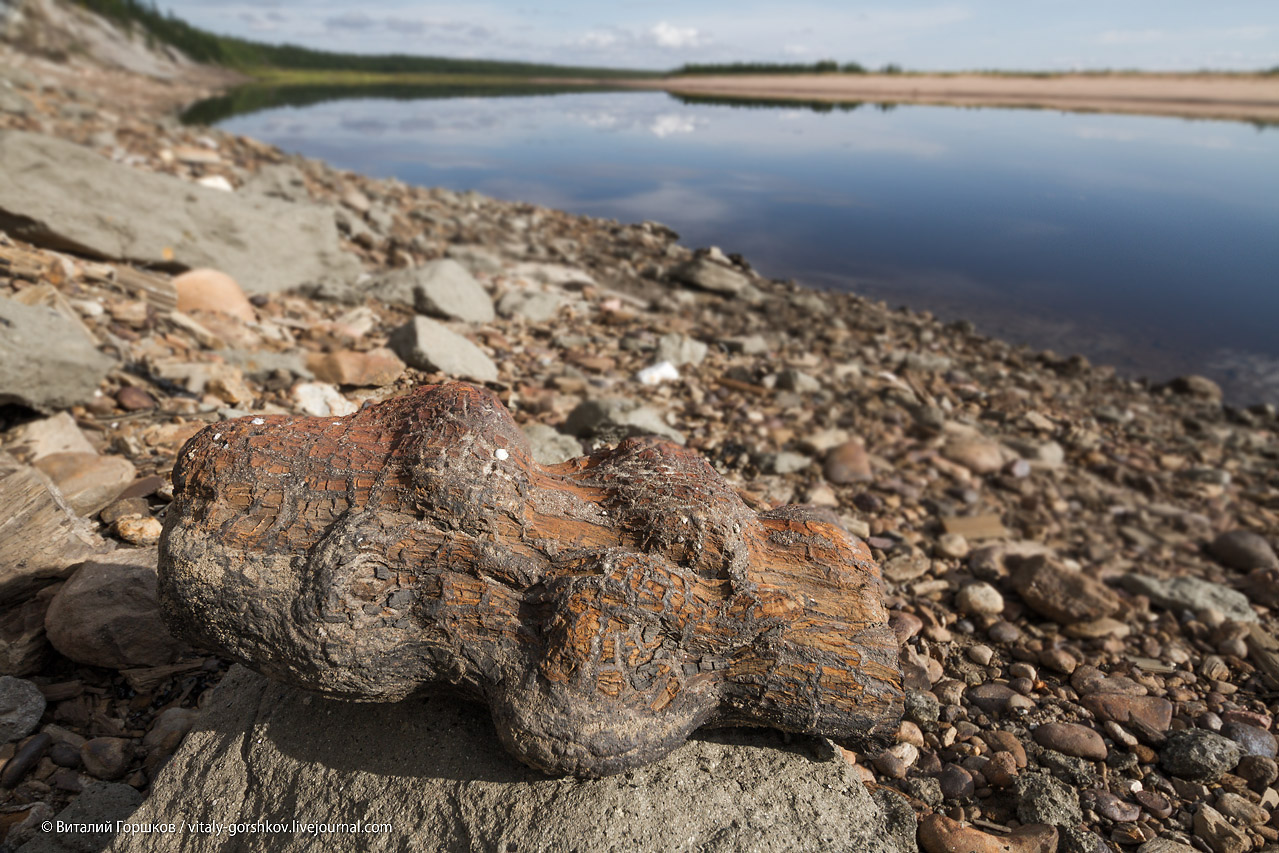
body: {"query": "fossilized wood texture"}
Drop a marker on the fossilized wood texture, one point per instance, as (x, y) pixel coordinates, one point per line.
(603, 608)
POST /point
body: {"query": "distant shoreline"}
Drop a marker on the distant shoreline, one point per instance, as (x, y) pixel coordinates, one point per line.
(1240, 97)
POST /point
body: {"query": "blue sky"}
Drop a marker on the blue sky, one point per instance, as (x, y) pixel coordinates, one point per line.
(968, 34)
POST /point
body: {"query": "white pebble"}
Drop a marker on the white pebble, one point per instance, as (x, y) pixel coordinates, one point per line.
(502, 455)
(658, 373)
(257, 421)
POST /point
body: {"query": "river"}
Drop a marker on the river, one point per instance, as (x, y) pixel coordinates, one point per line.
(1148, 243)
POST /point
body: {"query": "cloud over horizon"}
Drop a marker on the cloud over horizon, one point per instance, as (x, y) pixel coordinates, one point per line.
(662, 34)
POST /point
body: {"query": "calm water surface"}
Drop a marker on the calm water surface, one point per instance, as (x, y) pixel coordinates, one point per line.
(1147, 243)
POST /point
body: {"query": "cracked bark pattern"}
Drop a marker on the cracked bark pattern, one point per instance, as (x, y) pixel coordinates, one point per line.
(603, 608)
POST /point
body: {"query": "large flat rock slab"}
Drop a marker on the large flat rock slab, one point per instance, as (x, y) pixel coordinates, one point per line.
(61, 195)
(434, 770)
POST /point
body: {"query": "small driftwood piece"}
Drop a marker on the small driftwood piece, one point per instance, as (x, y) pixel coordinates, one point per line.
(603, 608)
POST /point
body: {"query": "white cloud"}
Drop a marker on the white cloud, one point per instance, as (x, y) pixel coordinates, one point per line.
(668, 35)
(672, 124)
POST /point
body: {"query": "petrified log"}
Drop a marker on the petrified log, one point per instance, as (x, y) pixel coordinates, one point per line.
(603, 608)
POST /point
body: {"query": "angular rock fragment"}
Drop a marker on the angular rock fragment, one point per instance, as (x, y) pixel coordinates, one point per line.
(603, 608)
(46, 360)
(427, 345)
(88, 481)
(1061, 594)
(21, 705)
(41, 539)
(36, 439)
(440, 288)
(534, 306)
(107, 614)
(708, 275)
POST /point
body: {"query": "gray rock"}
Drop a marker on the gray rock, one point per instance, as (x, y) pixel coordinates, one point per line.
(343, 291)
(922, 707)
(381, 218)
(434, 770)
(550, 446)
(476, 258)
(1076, 839)
(1253, 739)
(1043, 799)
(13, 103)
(1199, 755)
(1243, 549)
(705, 274)
(926, 789)
(427, 345)
(1077, 771)
(533, 305)
(102, 804)
(925, 362)
(278, 180)
(680, 350)
(46, 361)
(21, 704)
(899, 825)
(64, 196)
(613, 419)
(439, 288)
(747, 344)
(258, 365)
(798, 381)
(108, 614)
(786, 462)
(1191, 593)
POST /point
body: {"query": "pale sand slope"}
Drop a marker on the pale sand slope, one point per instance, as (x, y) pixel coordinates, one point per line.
(1229, 96)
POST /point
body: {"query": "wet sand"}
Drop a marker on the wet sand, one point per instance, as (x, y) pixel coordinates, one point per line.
(1243, 97)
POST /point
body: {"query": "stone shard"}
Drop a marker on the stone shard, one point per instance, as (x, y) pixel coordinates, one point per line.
(603, 608)
(64, 196)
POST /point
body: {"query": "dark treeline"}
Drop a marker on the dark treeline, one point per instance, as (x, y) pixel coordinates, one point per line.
(231, 52)
(824, 66)
(782, 103)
